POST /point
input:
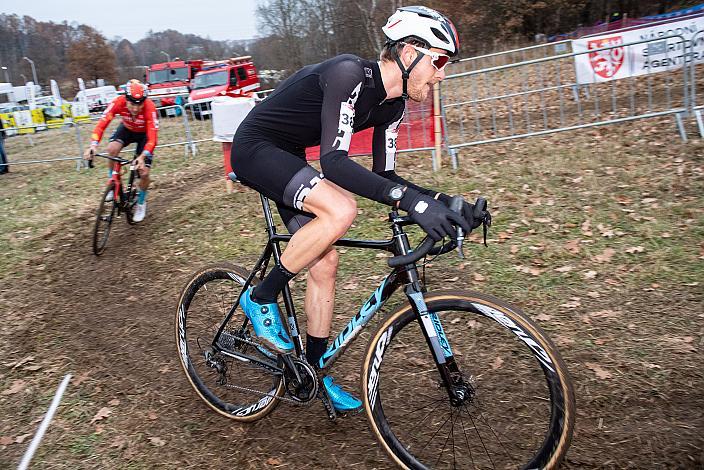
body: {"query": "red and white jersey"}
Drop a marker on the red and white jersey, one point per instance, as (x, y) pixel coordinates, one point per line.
(146, 121)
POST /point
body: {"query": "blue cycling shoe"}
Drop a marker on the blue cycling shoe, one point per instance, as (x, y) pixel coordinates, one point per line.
(267, 324)
(341, 400)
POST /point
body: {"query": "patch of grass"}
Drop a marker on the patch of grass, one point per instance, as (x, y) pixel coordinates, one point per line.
(84, 445)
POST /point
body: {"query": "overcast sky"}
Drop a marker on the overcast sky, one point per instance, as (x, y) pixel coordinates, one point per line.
(131, 19)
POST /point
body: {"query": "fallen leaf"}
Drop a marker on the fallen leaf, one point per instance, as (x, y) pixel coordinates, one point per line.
(273, 461)
(453, 279)
(478, 277)
(572, 246)
(102, 413)
(504, 236)
(81, 378)
(681, 344)
(114, 402)
(589, 274)
(543, 317)
(598, 370)
(119, 443)
(32, 368)
(156, 441)
(564, 269)
(99, 428)
(6, 440)
(635, 249)
(132, 298)
(23, 361)
(604, 314)
(571, 304)
(350, 286)
(605, 256)
(498, 362)
(528, 270)
(513, 250)
(587, 228)
(151, 415)
(16, 387)
(22, 438)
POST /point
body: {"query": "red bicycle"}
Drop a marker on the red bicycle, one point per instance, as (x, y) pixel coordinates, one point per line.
(122, 201)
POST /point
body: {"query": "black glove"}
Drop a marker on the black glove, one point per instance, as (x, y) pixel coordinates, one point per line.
(433, 217)
(467, 211)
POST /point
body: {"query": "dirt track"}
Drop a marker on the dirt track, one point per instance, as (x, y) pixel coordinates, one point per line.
(71, 313)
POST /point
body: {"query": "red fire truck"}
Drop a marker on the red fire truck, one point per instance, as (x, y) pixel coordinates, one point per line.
(232, 77)
(169, 80)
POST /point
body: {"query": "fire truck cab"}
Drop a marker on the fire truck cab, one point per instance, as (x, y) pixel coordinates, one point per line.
(232, 77)
(167, 81)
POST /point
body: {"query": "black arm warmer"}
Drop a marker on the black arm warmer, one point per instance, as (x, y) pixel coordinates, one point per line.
(341, 170)
(393, 176)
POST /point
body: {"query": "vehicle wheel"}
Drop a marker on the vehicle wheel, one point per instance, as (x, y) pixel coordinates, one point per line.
(103, 221)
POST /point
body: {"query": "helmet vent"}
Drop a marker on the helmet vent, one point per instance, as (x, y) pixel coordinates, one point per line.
(438, 34)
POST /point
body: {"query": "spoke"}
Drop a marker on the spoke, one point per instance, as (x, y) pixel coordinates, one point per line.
(451, 436)
(486, 422)
(425, 406)
(476, 429)
(466, 439)
(426, 417)
(436, 432)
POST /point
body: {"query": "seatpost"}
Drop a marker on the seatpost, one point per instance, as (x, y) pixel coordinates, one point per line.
(267, 215)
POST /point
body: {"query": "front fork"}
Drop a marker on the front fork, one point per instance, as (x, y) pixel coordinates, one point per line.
(457, 388)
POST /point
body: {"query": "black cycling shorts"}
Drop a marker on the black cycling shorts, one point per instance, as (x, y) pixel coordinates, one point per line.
(281, 176)
(127, 137)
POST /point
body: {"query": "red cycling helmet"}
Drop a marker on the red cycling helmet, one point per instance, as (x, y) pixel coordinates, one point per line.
(136, 91)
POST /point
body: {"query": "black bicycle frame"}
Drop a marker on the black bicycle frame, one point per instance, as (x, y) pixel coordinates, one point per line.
(406, 275)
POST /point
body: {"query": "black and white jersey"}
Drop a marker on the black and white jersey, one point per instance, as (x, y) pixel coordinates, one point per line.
(324, 104)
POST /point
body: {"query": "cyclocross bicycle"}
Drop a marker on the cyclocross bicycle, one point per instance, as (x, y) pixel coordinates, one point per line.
(450, 379)
(123, 201)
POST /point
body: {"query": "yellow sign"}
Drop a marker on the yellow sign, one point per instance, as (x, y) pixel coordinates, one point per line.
(80, 112)
(8, 122)
(38, 119)
(54, 116)
(23, 119)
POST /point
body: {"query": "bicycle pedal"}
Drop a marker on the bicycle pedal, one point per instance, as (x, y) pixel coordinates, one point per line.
(327, 403)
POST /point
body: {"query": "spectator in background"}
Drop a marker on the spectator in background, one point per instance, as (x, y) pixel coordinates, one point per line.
(4, 167)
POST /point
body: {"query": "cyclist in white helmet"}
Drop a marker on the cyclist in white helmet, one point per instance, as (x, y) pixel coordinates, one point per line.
(323, 104)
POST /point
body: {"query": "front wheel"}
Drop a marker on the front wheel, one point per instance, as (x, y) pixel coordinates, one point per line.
(229, 377)
(518, 407)
(129, 201)
(103, 221)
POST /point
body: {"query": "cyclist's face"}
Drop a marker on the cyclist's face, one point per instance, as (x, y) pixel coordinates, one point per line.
(424, 76)
(134, 108)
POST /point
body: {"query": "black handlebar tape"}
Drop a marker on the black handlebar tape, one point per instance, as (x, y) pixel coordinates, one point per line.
(479, 207)
(414, 256)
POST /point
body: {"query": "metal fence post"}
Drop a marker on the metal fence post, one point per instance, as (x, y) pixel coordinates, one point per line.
(79, 163)
(190, 144)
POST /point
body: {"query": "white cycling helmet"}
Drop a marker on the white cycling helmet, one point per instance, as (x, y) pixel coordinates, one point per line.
(425, 24)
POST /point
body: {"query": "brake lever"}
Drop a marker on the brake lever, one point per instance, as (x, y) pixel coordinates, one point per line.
(456, 206)
(486, 223)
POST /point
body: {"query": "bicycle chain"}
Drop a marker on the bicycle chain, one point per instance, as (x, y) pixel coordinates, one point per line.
(234, 337)
(264, 394)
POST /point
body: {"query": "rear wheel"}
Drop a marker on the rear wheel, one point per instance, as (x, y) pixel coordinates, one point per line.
(518, 405)
(238, 388)
(103, 221)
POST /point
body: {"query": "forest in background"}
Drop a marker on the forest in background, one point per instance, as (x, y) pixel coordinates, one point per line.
(293, 33)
